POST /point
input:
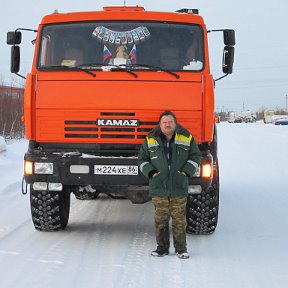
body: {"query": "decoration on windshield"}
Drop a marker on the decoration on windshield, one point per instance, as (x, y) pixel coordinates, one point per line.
(121, 56)
(131, 37)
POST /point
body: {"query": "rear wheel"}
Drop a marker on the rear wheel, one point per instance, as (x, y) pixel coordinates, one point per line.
(86, 196)
(85, 192)
(50, 209)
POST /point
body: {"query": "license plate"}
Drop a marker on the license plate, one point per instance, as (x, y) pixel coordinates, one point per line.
(115, 170)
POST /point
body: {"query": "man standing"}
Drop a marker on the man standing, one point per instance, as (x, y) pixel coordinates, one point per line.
(168, 157)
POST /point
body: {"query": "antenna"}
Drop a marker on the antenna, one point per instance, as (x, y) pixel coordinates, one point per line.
(124, 2)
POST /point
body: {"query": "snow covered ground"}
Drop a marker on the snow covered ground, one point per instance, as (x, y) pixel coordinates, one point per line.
(107, 242)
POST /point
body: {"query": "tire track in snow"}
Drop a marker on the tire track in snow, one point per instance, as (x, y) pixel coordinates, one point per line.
(11, 189)
(141, 267)
(94, 231)
(138, 249)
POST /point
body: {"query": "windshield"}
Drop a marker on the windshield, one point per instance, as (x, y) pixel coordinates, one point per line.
(169, 46)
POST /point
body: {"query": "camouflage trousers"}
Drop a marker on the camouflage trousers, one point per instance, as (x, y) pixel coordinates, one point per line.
(174, 207)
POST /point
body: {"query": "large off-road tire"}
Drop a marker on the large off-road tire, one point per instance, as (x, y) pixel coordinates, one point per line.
(202, 209)
(50, 209)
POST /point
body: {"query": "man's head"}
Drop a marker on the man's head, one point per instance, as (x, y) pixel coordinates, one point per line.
(168, 123)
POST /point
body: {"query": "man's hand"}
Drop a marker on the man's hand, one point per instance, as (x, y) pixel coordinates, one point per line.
(156, 174)
(184, 173)
(153, 173)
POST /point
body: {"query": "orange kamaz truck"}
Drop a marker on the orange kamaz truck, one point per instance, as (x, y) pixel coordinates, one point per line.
(99, 82)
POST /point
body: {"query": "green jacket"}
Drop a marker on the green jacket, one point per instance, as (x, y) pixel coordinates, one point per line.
(186, 157)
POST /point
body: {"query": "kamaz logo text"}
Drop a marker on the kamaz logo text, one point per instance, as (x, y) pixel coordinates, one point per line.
(117, 122)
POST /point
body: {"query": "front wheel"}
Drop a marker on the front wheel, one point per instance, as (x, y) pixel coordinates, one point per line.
(202, 209)
(50, 209)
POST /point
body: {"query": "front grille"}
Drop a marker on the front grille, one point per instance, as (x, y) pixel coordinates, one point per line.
(123, 114)
(88, 128)
(81, 136)
(80, 129)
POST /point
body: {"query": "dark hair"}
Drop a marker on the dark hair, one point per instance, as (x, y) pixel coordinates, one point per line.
(168, 113)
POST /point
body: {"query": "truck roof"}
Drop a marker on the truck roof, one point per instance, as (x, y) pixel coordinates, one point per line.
(115, 13)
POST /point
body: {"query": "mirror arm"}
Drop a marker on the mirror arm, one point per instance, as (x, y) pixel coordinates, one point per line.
(215, 30)
(26, 29)
(221, 77)
(23, 77)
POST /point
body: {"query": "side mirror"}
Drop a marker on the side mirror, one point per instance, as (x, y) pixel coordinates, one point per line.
(229, 37)
(14, 38)
(15, 59)
(228, 59)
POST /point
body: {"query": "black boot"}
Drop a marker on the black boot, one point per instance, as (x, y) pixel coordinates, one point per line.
(160, 252)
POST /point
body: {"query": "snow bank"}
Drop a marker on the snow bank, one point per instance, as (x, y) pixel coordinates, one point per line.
(2, 144)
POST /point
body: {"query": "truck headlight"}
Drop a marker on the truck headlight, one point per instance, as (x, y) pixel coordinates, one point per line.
(43, 168)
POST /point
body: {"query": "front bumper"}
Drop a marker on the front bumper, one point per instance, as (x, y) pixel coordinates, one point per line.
(79, 169)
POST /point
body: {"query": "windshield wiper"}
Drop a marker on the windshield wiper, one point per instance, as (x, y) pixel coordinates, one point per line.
(109, 67)
(64, 67)
(153, 67)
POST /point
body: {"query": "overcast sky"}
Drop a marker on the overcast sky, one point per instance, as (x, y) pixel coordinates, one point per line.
(260, 78)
